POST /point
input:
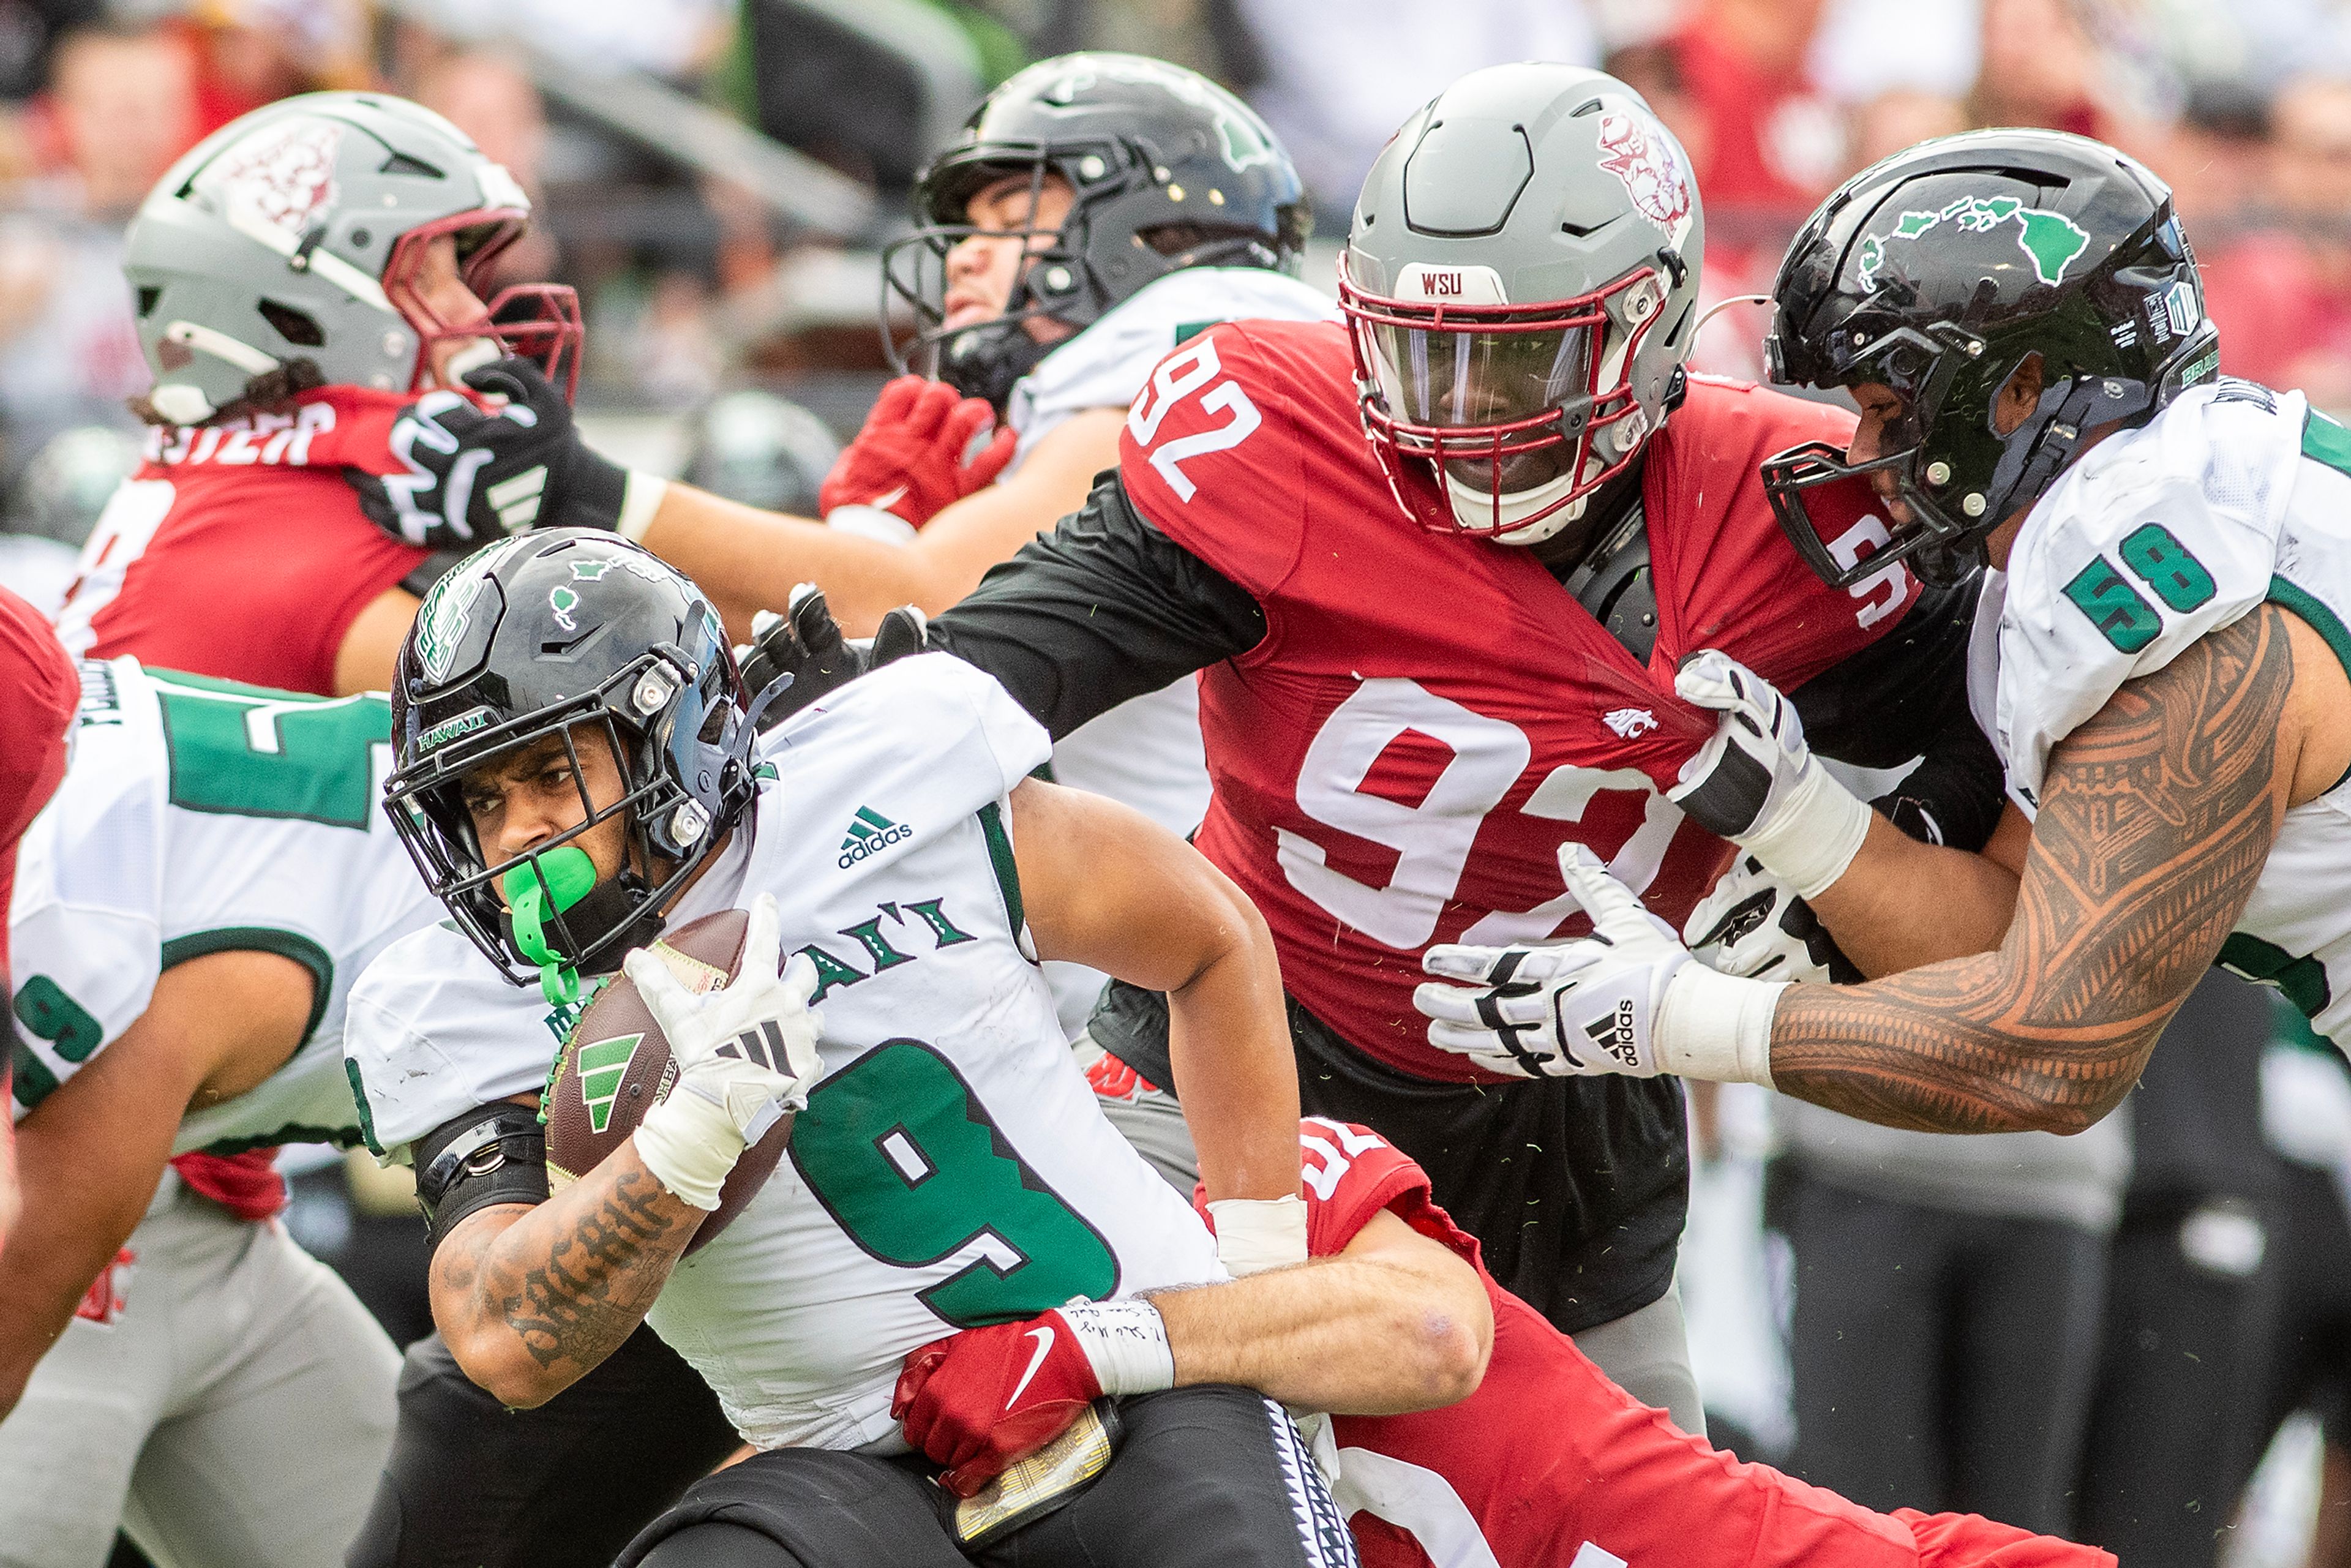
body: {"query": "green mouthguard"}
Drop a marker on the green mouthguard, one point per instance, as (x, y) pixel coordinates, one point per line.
(563, 876)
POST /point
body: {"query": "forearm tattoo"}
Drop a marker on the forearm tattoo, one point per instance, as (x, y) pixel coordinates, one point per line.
(591, 1289)
(2157, 816)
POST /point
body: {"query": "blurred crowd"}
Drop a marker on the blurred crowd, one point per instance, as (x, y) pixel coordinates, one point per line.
(2170, 1262)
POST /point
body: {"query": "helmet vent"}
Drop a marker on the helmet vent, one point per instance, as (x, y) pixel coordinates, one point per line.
(401, 164)
(294, 326)
(147, 299)
(1589, 106)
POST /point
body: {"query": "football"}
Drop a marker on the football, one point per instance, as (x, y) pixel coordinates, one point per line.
(616, 1066)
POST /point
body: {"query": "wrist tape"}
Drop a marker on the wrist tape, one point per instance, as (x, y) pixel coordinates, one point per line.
(1254, 1233)
(1716, 1027)
(1125, 1341)
(691, 1144)
(1815, 836)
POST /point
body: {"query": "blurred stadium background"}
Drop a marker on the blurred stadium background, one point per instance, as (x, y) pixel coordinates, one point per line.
(718, 177)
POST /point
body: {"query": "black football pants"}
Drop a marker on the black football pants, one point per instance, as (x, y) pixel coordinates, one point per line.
(1206, 1476)
(471, 1484)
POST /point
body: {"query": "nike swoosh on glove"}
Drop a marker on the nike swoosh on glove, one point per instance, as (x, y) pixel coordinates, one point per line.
(1626, 999)
(745, 1053)
(1756, 782)
(474, 474)
(988, 1397)
(914, 458)
(1753, 925)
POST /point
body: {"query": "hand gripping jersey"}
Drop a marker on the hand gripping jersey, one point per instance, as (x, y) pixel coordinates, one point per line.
(2232, 495)
(198, 817)
(236, 550)
(1145, 752)
(952, 1168)
(1429, 717)
(1550, 1465)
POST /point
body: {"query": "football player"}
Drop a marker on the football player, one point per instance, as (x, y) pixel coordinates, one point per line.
(37, 693)
(1545, 1462)
(1433, 655)
(2160, 659)
(299, 278)
(579, 770)
(190, 913)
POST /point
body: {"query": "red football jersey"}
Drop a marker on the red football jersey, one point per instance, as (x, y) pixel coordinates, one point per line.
(237, 550)
(1550, 1465)
(1430, 716)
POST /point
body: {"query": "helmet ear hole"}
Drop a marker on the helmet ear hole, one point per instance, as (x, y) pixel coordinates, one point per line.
(294, 326)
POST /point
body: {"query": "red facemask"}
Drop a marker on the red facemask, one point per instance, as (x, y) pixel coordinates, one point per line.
(537, 322)
(1498, 384)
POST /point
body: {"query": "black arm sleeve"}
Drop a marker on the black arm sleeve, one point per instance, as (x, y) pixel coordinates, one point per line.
(1904, 696)
(1102, 608)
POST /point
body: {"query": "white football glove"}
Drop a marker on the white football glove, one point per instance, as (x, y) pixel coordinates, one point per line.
(744, 1054)
(1626, 999)
(1752, 925)
(1756, 783)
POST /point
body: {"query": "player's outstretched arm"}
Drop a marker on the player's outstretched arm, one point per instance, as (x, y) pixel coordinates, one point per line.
(1758, 783)
(1396, 1321)
(533, 1297)
(91, 1154)
(1104, 885)
(749, 560)
(2157, 816)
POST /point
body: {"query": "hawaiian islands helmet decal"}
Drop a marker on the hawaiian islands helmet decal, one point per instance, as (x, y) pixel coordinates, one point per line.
(2050, 240)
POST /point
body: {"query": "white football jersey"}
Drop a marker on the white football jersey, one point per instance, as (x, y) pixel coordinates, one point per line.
(201, 816)
(953, 1167)
(1146, 753)
(2232, 495)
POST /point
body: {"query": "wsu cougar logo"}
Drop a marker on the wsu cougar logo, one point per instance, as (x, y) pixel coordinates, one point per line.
(1648, 168)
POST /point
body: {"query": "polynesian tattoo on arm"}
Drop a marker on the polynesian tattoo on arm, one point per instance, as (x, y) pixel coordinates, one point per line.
(2158, 814)
(571, 1299)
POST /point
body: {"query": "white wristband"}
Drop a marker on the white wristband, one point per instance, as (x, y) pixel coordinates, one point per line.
(691, 1142)
(639, 502)
(1815, 836)
(1716, 1027)
(870, 523)
(1126, 1341)
(1254, 1233)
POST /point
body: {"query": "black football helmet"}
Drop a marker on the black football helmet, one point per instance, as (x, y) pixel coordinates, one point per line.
(551, 635)
(1168, 171)
(1935, 273)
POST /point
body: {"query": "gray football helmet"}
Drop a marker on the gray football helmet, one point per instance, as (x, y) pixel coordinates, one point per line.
(1520, 283)
(297, 232)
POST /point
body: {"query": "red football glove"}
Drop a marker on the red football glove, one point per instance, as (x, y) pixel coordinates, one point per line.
(977, 1402)
(909, 457)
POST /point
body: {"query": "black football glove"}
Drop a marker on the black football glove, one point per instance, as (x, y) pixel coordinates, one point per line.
(794, 658)
(474, 477)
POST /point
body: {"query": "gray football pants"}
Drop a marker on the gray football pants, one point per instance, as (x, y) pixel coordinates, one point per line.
(233, 1414)
(1645, 1353)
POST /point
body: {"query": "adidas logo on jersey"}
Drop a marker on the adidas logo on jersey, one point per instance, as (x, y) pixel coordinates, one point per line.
(1630, 723)
(870, 832)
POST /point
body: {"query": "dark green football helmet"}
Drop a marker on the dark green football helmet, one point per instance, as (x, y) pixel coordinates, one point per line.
(1936, 273)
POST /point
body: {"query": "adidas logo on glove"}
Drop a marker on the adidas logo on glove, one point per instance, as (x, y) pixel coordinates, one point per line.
(870, 832)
